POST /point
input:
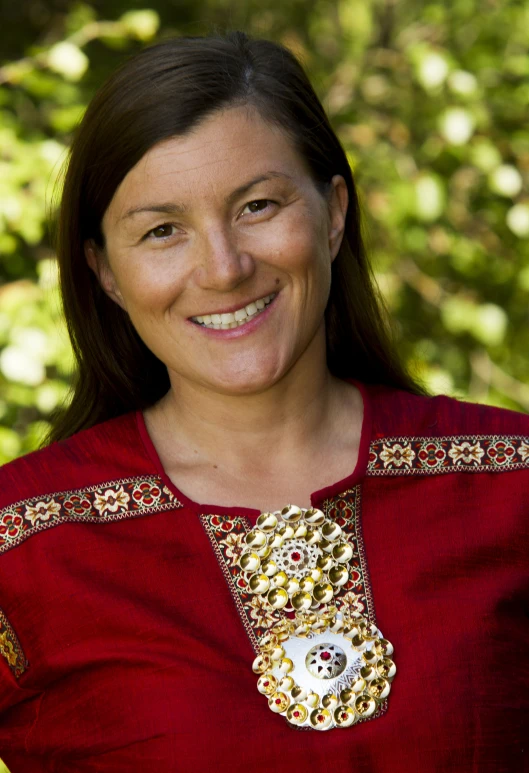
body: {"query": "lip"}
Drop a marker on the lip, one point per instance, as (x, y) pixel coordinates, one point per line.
(236, 332)
(232, 309)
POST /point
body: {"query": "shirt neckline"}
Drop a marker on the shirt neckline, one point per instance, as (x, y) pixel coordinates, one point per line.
(316, 498)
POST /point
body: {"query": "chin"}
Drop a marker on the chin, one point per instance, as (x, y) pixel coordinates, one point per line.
(243, 383)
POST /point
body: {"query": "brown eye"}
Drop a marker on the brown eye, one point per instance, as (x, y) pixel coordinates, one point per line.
(162, 231)
(260, 205)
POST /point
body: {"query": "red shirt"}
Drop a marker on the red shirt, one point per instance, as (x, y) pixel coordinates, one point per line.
(126, 644)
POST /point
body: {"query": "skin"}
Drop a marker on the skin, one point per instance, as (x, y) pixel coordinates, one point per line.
(259, 406)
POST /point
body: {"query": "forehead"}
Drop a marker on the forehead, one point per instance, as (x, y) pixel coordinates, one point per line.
(222, 152)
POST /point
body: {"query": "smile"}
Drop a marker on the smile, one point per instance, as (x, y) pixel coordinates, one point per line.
(236, 318)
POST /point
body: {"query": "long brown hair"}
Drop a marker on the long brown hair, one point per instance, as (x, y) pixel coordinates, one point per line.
(163, 92)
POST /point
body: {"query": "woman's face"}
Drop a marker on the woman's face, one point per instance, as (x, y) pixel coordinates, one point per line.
(219, 248)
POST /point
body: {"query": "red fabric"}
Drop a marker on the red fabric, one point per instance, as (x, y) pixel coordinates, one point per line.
(138, 660)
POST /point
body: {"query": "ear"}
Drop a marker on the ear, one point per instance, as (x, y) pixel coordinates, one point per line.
(338, 203)
(98, 262)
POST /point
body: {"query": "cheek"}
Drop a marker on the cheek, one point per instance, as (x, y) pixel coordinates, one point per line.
(149, 285)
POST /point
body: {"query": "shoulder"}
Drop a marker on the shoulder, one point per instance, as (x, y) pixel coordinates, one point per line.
(399, 413)
(109, 450)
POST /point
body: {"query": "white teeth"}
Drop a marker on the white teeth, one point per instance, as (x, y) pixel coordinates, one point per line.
(235, 319)
(251, 309)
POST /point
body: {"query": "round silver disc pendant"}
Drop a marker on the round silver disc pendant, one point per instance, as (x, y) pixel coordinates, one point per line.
(326, 661)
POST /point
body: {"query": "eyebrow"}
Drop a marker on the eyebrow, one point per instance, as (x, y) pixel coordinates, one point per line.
(172, 208)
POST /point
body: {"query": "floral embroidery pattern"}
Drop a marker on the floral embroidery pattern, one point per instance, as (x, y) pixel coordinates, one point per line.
(227, 536)
(112, 501)
(10, 648)
(476, 453)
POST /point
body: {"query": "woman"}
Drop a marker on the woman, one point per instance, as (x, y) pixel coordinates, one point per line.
(231, 352)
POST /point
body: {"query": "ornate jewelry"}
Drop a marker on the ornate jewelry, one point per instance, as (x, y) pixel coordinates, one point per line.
(319, 666)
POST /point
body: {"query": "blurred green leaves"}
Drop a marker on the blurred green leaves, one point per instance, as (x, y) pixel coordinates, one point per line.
(431, 103)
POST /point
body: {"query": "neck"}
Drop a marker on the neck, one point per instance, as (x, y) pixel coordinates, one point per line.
(297, 415)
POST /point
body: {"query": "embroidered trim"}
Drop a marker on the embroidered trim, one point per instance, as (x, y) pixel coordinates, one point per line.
(10, 648)
(227, 536)
(459, 453)
(106, 502)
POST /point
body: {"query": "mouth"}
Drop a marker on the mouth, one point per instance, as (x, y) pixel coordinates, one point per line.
(234, 319)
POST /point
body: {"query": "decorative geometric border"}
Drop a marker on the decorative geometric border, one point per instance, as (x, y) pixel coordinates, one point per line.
(458, 453)
(227, 536)
(106, 502)
(10, 648)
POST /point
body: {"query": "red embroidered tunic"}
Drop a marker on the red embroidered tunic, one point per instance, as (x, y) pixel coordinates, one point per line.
(126, 643)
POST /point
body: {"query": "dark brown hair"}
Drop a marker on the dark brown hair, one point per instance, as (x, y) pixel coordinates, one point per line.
(163, 92)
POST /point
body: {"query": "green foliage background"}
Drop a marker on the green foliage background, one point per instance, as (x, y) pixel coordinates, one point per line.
(430, 100)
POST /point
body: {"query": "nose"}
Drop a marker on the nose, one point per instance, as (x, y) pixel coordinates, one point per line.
(222, 264)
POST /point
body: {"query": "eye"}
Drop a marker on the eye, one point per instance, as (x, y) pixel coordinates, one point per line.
(259, 205)
(163, 231)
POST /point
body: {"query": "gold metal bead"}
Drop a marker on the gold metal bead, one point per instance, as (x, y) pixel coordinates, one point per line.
(347, 696)
(344, 716)
(256, 538)
(267, 522)
(276, 541)
(259, 583)
(368, 673)
(319, 625)
(365, 705)
(297, 714)
(316, 573)
(286, 684)
(329, 701)
(313, 536)
(301, 530)
(262, 663)
(250, 561)
(379, 688)
(384, 647)
(323, 592)
(368, 631)
(292, 585)
(268, 642)
(359, 685)
(320, 719)
(370, 656)
(298, 693)
(303, 629)
(301, 600)
(325, 563)
(312, 699)
(336, 625)
(286, 531)
(267, 684)
(283, 629)
(331, 531)
(286, 666)
(326, 546)
(338, 575)
(386, 668)
(314, 517)
(263, 552)
(269, 567)
(306, 583)
(279, 702)
(290, 514)
(279, 580)
(277, 653)
(277, 598)
(358, 642)
(342, 552)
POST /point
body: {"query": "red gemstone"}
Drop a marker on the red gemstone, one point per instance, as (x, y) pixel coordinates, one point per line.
(295, 556)
(344, 716)
(297, 714)
(278, 701)
(325, 656)
(265, 684)
(321, 718)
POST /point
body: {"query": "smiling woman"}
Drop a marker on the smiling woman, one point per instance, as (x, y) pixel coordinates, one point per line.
(233, 357)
